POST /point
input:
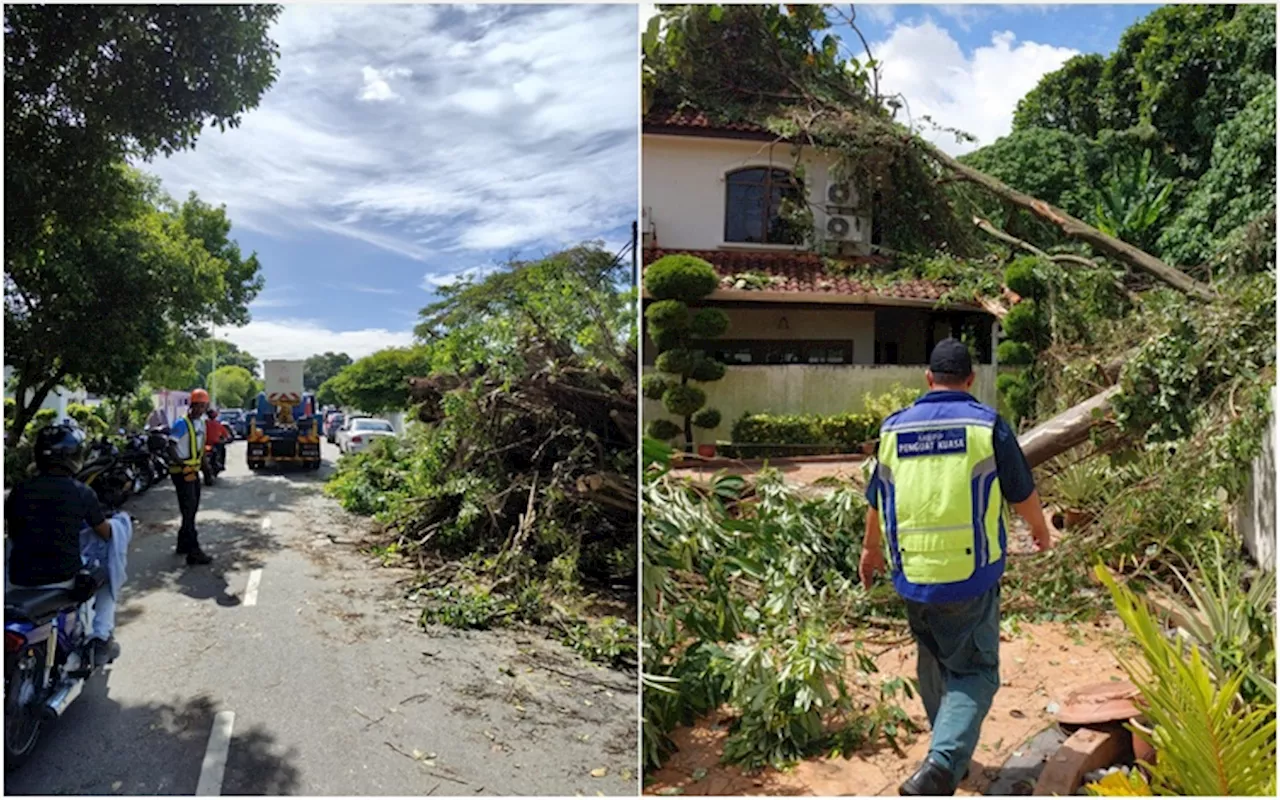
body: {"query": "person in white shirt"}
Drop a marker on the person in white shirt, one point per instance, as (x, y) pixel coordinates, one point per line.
(186, 453)
(157, 420)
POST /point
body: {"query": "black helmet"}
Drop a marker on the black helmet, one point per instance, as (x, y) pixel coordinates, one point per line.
(60, 448)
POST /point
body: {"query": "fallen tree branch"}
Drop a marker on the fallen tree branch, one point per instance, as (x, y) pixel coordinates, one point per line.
(1074, 228)
(1057, 435)
(1009, 239)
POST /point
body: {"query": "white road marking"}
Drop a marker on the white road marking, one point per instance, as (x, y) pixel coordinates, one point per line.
(251, 589)
(215, 755)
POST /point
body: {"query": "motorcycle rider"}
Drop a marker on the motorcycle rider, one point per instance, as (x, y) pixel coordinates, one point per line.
(43, 518)
(186, 453)
(218, 436)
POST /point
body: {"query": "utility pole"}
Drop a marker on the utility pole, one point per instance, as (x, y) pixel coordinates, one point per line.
(213, 366)
(635, 245)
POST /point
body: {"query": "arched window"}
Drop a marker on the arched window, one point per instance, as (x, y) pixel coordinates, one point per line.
(753, 202)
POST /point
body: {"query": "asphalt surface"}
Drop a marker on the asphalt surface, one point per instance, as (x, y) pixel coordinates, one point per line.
(333, 687)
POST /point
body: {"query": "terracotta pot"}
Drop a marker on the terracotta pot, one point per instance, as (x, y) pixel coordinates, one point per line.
(1074, 518)
(1142, 751)
(707, 450)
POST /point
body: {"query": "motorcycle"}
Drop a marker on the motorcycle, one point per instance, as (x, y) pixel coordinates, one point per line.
(47, 659)
(215, 461)
(112, 478)
(158, 445)
(137, 454)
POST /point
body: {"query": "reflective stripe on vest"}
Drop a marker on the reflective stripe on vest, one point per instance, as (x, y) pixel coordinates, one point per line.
(194, 454)
(941, 502)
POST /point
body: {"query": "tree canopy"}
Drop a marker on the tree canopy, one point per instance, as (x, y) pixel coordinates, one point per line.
(98, 307)
(321, 367)
(380, 382)
(88, 86)
(232, 387)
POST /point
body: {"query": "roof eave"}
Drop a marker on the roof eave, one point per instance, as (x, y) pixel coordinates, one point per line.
(828, 298)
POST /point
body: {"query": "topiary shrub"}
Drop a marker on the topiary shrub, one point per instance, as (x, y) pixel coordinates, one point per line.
(707, 418)
(675, 281)
(684, 401)
(1021, 277)
(678, 362)
(1023, 324)
(1017, 394)
(709, 323)
(683, 278)
(707, 370)
(662, 429)
(1015, 354)
(668, 315)
(653, 386)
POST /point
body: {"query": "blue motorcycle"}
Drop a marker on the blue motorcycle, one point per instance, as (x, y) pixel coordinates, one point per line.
(47, 659)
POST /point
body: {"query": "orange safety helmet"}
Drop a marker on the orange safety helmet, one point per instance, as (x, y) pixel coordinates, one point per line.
(199, 396)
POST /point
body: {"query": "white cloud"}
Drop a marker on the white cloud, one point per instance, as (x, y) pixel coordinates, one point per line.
(881, 13)
(975, 93)
(376, 88)
(424, 129)
(964, 16)
(298, 339)
(431, 282)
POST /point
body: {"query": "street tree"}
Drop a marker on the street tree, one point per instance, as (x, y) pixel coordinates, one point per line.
(231, 387)
(87, 87)
(321, 367)
(98, 306)
(380, 382)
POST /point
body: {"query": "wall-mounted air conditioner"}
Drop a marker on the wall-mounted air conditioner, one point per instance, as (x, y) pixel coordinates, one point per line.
(846, 221)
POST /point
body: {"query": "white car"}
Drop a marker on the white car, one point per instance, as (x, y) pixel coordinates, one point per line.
(356, 434)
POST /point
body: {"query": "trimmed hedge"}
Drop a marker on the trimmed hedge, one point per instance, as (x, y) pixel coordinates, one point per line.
(758, 435)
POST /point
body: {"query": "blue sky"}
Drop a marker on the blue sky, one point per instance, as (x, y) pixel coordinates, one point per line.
(966, 66)
(404, 146)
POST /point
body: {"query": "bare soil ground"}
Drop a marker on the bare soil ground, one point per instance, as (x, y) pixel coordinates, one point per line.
(1040, 665)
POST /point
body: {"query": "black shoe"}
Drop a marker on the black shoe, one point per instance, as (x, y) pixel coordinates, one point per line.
(197, 557)
(930, 780)
(103, 651)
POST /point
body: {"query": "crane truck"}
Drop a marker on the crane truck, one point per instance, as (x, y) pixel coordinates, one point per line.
(287, 426)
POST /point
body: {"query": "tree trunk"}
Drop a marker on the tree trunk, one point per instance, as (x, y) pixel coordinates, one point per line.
(1057, 435)
(1076, 229)
(25, 412)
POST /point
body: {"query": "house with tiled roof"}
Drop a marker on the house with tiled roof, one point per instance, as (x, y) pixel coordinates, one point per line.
(815, 324)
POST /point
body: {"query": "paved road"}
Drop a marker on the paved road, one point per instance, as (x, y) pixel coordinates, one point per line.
(304, 649)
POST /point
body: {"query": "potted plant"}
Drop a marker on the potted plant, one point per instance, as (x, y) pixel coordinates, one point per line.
(707, 450)
(1077, 490)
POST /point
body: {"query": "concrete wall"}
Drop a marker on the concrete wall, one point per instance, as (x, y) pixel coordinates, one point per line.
(684, 191)
(806, 389)
(1254, 516)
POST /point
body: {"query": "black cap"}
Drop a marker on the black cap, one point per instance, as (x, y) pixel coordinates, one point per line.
(951, 357)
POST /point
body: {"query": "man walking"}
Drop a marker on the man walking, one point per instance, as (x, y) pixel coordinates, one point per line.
(944, 469)
(186, 451)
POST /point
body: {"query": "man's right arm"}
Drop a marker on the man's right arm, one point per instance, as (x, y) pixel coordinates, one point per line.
(1018, 484)
(175, 432)
(93, 514)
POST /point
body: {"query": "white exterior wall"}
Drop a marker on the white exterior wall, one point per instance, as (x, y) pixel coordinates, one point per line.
(1254, 516)
(683, 188)
(806, 389)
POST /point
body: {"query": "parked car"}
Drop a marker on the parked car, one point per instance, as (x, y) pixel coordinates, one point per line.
(331, 425)
(233, 418)
(356, 434)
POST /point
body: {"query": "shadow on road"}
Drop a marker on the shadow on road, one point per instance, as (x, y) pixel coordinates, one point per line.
(155, 748)
(231, 530)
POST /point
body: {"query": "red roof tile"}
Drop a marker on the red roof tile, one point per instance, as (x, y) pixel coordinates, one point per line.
(695, 121)
(806, 272)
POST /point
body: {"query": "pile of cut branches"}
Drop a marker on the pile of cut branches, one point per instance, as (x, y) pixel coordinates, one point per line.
(514, 492)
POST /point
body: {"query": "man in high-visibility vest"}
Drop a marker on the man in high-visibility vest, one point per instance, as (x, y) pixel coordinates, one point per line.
(186, 453)
(944, 469)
